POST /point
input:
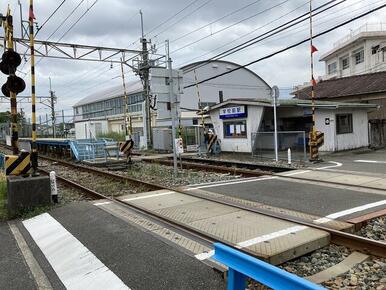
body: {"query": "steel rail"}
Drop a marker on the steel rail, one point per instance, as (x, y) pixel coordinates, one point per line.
(373, 247)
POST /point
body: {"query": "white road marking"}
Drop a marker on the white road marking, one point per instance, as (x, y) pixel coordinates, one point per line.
(220, 181)
(295, 173)
(149, 196)
(74, 264)
(336, 215)
(371, 161)
(336, 164)
(102, 203)
(254, 241)
(231, 183)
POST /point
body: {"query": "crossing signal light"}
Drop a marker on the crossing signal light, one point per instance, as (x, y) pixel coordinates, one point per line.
(10, 60)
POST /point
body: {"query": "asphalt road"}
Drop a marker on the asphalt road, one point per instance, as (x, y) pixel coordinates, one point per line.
(307, 198)
(140, 260)
(361, 160)
(14, 273)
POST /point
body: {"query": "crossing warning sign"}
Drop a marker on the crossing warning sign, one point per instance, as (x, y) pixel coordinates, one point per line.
(126, 146)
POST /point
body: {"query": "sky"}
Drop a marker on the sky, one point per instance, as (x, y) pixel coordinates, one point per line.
(196, 29)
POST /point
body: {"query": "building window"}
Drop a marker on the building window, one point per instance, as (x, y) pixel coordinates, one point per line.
(331, 68)
(235, 129)
(344, 124)
(345, 62)
(359, 56)
(375, 49)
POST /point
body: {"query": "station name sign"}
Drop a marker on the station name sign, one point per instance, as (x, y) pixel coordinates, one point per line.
(233, 112)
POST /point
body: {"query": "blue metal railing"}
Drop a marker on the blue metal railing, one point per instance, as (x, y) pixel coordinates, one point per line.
(242, 266)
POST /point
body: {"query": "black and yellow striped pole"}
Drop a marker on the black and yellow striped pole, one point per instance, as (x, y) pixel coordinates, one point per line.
(8, 27)
(34, 153)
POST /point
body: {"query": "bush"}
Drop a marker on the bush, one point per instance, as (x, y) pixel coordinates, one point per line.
(113, 135)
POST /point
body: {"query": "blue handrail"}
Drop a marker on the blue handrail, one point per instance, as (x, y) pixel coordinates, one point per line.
(242, 266)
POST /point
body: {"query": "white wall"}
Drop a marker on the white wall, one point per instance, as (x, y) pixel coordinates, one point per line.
(239, 84)
(82, 129)
(254, 117)
(372, 62)
(337, 142)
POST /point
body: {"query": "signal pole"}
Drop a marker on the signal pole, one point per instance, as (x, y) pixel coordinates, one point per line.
(144, 73)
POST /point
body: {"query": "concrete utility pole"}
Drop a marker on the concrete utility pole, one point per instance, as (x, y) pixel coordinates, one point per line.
(63, 124)
(144, 73)
(173, 110)
(52, 94)
(275, 96)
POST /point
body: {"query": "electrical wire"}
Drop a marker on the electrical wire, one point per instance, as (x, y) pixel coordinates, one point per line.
(291, 23)
(229, 26)
(291, 46)
(214, 21)
(49, 17)
(171, 17)
(183, 18)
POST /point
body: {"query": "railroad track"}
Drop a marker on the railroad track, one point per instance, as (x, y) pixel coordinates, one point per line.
(376, 248)
(372, 247)
(248, 170)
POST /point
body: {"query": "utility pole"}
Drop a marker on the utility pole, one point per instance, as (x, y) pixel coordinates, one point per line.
(275, 96)
(173, 111)
(63, 124)
(52, 94)
(144, 73)
(21, 122)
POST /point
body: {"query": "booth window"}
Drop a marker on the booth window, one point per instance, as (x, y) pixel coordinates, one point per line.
(344, 124)
(235, 129)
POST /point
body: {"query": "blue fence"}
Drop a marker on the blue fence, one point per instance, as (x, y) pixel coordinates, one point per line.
(241, 266)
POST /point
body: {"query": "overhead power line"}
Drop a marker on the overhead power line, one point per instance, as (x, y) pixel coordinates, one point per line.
(229, 26)
(183, 18)
(171, 17)
(49, 17)
(293, 22)
(289, 47)
(215, 21)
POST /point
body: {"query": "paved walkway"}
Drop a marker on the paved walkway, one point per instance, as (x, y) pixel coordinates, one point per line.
(80, 246)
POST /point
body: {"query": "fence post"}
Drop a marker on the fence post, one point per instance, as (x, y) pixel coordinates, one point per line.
(236, 280)
(289, 156)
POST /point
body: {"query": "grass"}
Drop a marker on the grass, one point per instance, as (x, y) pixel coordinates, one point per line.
(113, 135)
(3, 198)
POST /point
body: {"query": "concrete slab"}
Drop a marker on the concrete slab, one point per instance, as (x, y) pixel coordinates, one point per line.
(238, 226)
(355, 179)
(380, 183)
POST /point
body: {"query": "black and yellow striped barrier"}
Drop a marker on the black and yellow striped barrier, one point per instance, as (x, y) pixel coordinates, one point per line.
(18, 165)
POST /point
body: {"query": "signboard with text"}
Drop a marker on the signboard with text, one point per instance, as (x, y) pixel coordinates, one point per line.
(233, 112)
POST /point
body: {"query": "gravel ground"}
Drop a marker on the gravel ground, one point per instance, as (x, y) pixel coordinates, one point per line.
(240, 157)
(375, 229)
(163, 175)
(369, 275)
(98, 183)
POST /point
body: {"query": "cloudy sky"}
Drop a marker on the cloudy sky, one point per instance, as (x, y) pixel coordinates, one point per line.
(197, 30)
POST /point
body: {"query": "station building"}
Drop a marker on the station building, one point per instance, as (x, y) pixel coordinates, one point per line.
(241, 125)
(102, 111)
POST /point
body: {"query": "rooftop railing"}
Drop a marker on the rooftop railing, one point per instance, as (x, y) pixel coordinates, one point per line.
(368, 27)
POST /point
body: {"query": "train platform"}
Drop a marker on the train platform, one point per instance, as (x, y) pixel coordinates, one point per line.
(271, 239)
(80, 246)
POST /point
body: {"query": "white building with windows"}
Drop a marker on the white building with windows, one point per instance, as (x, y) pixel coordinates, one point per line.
(242, 125)
(102, 112)
(362, 51)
